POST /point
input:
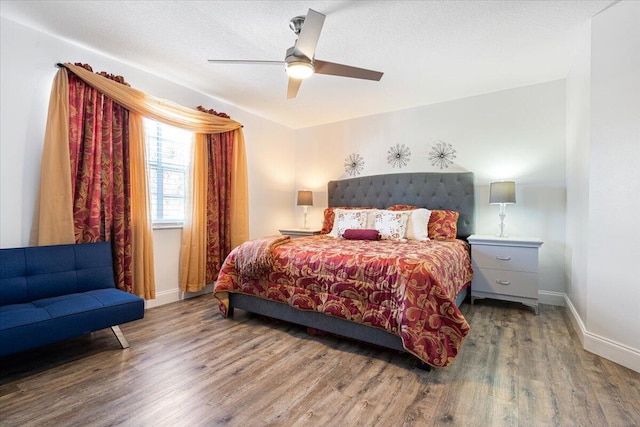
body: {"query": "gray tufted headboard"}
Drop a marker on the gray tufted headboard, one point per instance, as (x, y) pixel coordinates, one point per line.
(452, 191)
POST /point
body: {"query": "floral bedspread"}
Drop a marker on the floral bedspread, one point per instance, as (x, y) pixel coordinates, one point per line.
(405, 288)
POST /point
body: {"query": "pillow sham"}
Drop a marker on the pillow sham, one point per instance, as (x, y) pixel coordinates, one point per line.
(361, 234)
(392, 225)
(346, 218)
(418, 224)
(329, 217)
(402, 208)
(443, 224)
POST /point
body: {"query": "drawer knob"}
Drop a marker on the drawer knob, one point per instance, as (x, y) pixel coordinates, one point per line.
(504, 258)
(503, 282)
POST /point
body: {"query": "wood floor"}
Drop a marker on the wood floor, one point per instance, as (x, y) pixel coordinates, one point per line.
(187, 366)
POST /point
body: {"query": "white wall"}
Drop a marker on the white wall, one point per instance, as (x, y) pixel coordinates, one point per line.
(614, 189)
(605, 143)
(515, 134)
(578, 157)
(27, 65)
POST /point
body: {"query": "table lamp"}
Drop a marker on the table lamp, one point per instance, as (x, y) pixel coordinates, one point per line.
(502, 193)
(305, 199)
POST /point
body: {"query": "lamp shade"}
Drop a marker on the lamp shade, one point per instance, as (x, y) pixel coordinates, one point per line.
(502, 192)
(305, 198)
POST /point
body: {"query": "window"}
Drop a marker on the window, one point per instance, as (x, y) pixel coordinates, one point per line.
(168, 157)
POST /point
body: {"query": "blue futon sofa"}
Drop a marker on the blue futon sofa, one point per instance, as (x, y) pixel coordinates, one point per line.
(51, 293)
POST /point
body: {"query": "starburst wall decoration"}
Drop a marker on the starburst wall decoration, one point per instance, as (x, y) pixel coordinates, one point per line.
(442, 154)
(354, 164)
(399, 155)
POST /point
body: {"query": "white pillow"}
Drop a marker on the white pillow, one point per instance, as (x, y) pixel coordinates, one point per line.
(392, 225)
(418, 224)
(371, 218)
(348, 218)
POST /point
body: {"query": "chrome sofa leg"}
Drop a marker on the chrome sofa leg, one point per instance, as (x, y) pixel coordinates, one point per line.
(120, 336)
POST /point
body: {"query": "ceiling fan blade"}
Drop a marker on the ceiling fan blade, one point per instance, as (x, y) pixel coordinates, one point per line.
(292, 88)
(242, 61)
(331, 68)
(309, 34)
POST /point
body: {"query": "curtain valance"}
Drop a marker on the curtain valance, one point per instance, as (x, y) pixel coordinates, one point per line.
(155, 108)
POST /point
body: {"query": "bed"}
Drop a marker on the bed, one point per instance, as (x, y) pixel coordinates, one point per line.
(402, 295)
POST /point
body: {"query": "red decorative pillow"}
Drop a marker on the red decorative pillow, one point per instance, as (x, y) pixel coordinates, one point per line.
(361, 234)
(329, 217)
(402, 208)
(443, 225)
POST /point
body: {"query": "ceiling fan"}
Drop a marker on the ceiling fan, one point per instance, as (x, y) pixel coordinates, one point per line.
(300, 61)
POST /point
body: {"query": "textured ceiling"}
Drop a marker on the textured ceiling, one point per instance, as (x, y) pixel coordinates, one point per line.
(430, 51)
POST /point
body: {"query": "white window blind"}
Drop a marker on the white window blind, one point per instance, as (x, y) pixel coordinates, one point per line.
(168, 157)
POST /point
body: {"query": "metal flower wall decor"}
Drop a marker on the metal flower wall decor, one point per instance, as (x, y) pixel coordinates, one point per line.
(354, 164)
(442, 154)
(399, 155)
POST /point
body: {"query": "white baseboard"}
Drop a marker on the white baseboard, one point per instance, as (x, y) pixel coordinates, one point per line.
(609, 349)
(576, 321)
(551, 298)
(173, 295)
(162, 298)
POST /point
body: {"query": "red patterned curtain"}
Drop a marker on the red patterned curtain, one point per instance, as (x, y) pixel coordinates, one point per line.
(219, 152)
(100, 176)
(220, 165)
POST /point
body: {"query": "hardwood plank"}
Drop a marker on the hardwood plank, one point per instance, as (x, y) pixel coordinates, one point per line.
(188, 366)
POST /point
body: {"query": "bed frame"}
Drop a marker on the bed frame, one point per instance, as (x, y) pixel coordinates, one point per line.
(453, 191)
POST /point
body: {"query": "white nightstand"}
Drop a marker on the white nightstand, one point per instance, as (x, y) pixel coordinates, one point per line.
(505, 268)
(299, 232)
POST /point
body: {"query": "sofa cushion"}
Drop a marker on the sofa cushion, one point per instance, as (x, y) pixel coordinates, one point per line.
(48, 320)
(13, 290)
(65, 305)
(21, 314)
(94, 266)
(52, 284)
(33, 273)
(108, 297)
(13, 283)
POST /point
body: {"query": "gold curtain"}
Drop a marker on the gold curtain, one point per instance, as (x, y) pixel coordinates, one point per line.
(53, 220)
(193, 253)
(53, 223)
(142, 238)
(239, 193)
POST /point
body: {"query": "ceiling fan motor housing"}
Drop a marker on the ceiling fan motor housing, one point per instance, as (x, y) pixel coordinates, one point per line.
(291, 57)
(296, 23)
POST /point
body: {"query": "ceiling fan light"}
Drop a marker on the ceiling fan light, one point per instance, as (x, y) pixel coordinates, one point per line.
(299, 70)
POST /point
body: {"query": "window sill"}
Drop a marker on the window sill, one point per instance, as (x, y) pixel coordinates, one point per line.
(167, 225)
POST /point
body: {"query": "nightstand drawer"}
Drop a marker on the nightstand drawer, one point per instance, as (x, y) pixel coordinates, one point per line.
(505, 258)
(505, 282)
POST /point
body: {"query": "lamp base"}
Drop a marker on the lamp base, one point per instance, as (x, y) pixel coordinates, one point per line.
(304, 225)
(502, 214)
